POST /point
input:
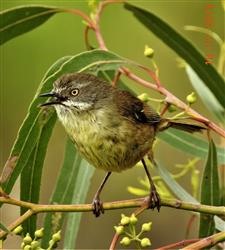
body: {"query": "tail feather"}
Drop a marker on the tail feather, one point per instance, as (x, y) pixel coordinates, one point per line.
(190, 128)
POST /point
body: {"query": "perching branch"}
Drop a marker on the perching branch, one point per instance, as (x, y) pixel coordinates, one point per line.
(141, 202)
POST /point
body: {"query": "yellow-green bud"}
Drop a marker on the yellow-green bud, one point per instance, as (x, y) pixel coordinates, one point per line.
(125, 220)
(146, 227)
(51, 243)
(27, 247)
(133, 219)
(39, 233)
(125, 241)
(57, 236)
(145, 242)
(148, 52)
(18, 230)
(27, 240)
(191, 98)
(35, 244)
(22, 245)
(143, 97)
(119, 229)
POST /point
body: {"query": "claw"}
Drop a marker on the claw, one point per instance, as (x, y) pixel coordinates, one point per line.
(154, 200)
(97, 207)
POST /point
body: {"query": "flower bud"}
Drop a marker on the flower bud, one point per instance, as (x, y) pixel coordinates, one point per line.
(148, 52)
(22, 245)
(145, 242)
(125, 241)
(57, 236)
(191, 98)
(133, 219)
(27, 240)
(119, 229)
(35, 244)
(18, 230)
(27, 247)
(146, 227)
(39, 233)
(125, 220)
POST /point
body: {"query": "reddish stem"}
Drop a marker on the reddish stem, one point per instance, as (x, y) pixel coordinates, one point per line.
(182, 243)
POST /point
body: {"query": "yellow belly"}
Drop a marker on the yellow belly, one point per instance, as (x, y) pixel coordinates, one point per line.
(108, 143)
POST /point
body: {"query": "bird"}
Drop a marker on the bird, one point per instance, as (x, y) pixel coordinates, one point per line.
(111, 128)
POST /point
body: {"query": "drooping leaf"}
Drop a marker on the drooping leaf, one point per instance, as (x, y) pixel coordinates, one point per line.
(79, 197)
(19, 20)
(182, 194)
(63, 191)
(209, 191)
(206, 95)
(183, 48)
(30, 180)
(189, 143)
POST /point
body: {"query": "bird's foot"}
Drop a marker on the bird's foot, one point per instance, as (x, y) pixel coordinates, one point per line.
(97, 207)
(154, 200)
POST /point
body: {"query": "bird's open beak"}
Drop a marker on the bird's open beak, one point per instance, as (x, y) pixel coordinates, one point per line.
(51, 102)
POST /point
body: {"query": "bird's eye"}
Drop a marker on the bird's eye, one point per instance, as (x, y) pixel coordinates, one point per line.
(74, 92)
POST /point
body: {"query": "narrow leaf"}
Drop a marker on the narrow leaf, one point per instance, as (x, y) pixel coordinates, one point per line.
(189, 143)
(19, 20)
(183, 48)
(206, 95)
(30, 181)
(209, 191)
(79, 196)
(183, 194)
(63, 191)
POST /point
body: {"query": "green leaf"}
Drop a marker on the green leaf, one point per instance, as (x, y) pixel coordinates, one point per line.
(206, 95)
(209, 191)
(189, 143)
(19, 20)
(27, 136)
(79, 197)
(30, 181)
(182, 194)
(63, 191)
(183, 48)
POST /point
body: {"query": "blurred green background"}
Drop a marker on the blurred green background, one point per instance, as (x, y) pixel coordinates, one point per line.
(24, 61)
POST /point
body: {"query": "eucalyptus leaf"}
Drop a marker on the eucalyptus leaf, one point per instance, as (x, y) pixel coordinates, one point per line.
(206, 95)
(183, 48)
(209, 191)
(19, 20)
(182, 194)
(79, 196)
(189, 143)
(63, 191)
(30, 181)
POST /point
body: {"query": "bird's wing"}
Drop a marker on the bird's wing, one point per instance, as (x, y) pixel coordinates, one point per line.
(131, 107)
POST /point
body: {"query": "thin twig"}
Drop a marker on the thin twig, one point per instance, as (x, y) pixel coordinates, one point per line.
(140, 203)
(177, 244)
(206, 242)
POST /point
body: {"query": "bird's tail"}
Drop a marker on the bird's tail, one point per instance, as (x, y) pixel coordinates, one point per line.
(181, 125)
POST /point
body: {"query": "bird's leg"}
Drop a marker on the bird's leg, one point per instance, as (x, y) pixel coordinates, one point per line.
(154, 198)
(97, 204)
